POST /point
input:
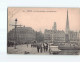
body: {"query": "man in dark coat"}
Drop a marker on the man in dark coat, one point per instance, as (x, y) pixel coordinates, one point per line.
(38, 47)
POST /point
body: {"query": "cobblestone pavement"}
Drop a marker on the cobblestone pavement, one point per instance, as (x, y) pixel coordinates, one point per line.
(20, 49)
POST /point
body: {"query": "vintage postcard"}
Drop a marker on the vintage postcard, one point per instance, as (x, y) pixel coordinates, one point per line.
(43, 31)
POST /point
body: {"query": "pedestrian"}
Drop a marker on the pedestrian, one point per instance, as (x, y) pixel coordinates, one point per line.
(46, 47)
(41, 48)
(38, 47)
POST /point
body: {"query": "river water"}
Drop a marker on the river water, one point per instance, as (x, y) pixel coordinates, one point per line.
(69, 52)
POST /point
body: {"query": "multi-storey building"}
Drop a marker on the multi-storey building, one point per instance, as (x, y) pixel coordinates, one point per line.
(73, 36)
(23, 35)
(54, 35)
(48, 35)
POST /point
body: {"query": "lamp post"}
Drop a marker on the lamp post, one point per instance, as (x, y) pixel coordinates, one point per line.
(15, 33)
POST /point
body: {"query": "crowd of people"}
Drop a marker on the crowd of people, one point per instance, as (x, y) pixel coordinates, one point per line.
(42, 47)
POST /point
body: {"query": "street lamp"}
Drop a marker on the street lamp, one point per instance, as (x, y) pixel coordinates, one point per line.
(15, 33)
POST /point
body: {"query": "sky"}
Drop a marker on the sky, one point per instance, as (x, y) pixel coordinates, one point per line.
(43, 18)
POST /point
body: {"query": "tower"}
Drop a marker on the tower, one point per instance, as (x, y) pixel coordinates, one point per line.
(67, 24)
(67, 29)
(54, 27)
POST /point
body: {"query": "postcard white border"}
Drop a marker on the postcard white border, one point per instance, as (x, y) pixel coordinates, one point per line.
(4, 4)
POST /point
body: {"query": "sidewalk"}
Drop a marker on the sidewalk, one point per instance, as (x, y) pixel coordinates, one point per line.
(22, 48)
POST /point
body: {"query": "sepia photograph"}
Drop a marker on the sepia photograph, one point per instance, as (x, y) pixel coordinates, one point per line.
(43, 31)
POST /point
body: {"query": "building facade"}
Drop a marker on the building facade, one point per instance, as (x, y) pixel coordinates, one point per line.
(48, 35)
(23, 35)
(54, 36)
(73, 36)
(58, 36)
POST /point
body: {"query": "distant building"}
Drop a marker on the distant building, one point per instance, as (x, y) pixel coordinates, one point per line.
(48, 35)
(70, 36)
(23, 34)
(54, 27)
(73, 36)
(59, 36)
(39, 36)
(67, 29)
(54, 35)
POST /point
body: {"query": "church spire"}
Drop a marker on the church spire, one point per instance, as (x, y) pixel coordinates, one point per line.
(67, 29)
(67, 24)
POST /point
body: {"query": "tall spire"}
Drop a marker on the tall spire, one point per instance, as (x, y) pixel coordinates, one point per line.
(67, 29)
(67, 24)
